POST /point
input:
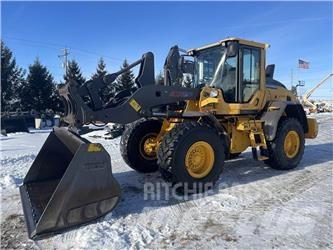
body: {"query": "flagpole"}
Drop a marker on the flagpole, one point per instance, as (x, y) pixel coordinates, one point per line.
(291, 77)
(298, 77)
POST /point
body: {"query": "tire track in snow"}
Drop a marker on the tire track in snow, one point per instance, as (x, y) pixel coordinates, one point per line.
(10, 160)
(285, 192)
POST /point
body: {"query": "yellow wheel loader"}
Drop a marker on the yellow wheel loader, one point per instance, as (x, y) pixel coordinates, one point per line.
(186, 129)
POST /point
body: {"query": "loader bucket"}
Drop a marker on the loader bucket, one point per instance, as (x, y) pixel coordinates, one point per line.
(69, 183)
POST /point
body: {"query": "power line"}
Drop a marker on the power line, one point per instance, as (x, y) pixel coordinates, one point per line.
(57, 45)
(34, 45)
(94, 53)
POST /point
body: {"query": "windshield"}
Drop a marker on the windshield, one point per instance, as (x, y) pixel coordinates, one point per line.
(208, 64)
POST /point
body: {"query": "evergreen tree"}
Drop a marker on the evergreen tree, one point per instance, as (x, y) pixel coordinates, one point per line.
(38, 91)
(160, 78)
(107, 92)
(101, 70)
(57, 104)
(11, 78)
(74, 73)
(126, 79)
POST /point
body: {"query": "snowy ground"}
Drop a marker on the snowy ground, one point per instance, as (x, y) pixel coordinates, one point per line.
(252, 206)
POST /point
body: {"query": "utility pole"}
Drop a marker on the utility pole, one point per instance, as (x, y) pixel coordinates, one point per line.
(65, 58)
(299, 84)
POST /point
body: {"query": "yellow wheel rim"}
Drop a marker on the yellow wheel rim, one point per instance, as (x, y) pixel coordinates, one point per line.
(291, 144)
(199, 159)
(148, 146)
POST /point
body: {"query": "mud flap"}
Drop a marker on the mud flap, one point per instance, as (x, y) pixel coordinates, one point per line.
(69, 183)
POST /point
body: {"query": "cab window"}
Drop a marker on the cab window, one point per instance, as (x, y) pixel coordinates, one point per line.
(229, 80)
(251, 73)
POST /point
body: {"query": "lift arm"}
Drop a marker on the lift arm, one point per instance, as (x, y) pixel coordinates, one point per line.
(84, 105)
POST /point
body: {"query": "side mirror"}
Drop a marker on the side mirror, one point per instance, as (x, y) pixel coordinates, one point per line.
(232, 49)
(269, 71)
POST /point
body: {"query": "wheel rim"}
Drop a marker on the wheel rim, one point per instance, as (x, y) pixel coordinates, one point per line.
(148, 146)
(291, 144)
(199, 159)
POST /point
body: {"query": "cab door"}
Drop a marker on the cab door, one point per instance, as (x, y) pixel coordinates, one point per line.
(248, 93)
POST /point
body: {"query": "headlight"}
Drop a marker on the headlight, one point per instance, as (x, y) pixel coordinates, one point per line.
(213, 93)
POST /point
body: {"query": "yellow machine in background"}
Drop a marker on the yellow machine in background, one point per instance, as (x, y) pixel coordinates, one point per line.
(305, 98)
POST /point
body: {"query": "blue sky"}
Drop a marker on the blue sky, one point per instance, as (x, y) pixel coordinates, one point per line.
(118, 30)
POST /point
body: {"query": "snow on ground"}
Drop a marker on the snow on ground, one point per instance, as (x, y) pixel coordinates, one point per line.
(252, 206)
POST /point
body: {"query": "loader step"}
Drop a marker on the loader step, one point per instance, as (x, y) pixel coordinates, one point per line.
(259, 157)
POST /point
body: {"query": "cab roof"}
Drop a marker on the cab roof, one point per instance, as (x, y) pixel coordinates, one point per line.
(229, 39)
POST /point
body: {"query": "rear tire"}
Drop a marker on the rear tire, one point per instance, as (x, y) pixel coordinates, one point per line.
(132, 145)
(286, 150)
(191, 156)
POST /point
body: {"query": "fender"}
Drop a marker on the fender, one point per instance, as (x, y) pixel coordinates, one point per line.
(273, 112)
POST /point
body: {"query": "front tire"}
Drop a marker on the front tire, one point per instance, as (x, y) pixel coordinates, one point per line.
(191, 156)
(137, 145)
(286, 150)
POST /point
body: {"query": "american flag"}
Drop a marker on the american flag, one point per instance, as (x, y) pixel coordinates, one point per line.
(303, 64)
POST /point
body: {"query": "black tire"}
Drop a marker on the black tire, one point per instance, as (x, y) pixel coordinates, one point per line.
(172, 153)
(278, 158)
(131, 145)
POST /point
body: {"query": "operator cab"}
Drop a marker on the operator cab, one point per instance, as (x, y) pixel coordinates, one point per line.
(233, 65)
